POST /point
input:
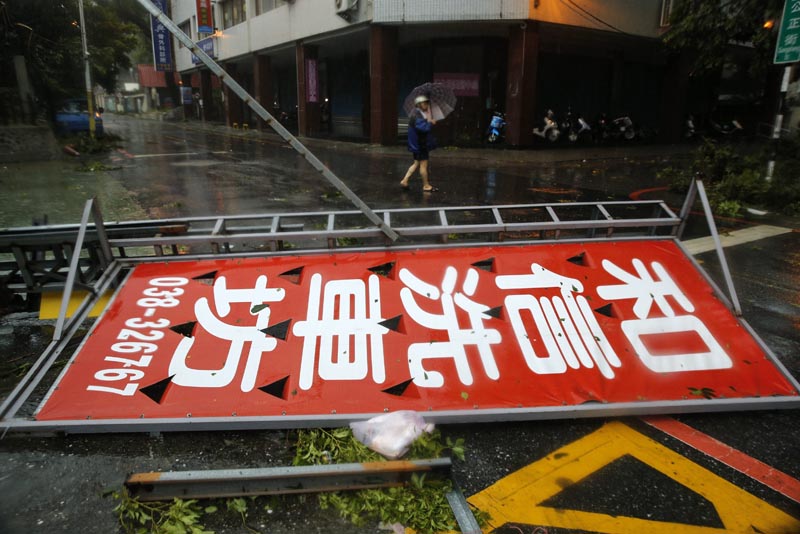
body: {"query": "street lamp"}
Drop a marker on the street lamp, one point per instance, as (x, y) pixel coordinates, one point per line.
(89, 95)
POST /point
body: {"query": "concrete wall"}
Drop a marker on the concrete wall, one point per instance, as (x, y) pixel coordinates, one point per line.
(636, 17)
(24, 142)
(388, 11)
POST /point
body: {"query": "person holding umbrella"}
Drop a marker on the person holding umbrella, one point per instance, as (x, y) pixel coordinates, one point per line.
(420, 142)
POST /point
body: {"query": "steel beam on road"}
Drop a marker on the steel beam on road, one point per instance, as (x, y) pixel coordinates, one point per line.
(268, 118)
(167, 485)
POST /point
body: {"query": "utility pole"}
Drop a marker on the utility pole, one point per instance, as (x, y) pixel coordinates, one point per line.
(89, 93)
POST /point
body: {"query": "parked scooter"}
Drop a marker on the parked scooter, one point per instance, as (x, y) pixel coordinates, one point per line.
(577, 130)
(689, 130)
(621, 128)
(497, 128)
(726, 128)
(549, 129)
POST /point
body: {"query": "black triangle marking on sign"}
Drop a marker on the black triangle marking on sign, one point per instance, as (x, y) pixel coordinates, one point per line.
(293, 275)
(392, 324)
(486, 265)
(605, 310)
(155, 392)
(184, 329)
(398, 389)
(580, 259)
(208, 276)
(383, 269)
(277, 388)
(495, 312)
(279, 330)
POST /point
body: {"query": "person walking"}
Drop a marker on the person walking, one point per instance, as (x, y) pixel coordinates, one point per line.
(420, 142)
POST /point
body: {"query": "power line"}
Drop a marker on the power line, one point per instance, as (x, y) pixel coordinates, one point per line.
(598, 19)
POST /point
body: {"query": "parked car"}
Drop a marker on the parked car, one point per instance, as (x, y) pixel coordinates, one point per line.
(73, 117)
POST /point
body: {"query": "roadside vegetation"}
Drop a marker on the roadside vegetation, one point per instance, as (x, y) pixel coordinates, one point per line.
(734, 176)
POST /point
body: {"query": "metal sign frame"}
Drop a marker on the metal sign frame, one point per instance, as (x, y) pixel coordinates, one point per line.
(553, 230)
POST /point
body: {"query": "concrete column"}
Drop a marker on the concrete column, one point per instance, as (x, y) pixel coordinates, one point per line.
(233, 105)
(24, 88)
(523, 60)
(383, 85)
(674, 98)
(262, 83)
(308, 112)
(617, 85)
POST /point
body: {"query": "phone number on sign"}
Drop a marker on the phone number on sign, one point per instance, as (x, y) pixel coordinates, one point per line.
(136, 346)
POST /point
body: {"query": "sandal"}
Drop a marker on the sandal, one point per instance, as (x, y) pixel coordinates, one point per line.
(404, 186)
(431, 190)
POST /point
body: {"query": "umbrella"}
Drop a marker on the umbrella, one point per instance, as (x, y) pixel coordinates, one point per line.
(443, 101)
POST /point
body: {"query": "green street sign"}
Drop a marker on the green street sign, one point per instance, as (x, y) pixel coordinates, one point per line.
(788, 48)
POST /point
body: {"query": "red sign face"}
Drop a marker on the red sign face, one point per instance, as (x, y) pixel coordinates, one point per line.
(446, 329)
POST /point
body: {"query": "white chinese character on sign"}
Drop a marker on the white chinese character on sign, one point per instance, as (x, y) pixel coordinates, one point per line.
(566, 324)
(647, 290)
(350, 317)
(790, 39)
(476, 334)
(793, 24)
(238, 336)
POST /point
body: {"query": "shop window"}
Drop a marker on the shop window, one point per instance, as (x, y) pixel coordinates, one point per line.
(233, 12)
(262, 6)
(185, 27)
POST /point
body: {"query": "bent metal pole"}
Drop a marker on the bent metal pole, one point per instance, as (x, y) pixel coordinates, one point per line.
(269, 119)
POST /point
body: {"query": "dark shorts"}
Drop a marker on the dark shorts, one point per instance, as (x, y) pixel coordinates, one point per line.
(422, 155)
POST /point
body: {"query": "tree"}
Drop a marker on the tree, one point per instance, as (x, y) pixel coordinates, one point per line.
(707, 28)
(47, 33)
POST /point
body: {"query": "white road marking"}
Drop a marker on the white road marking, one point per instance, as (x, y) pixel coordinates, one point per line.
(166, 155)
(736, 237)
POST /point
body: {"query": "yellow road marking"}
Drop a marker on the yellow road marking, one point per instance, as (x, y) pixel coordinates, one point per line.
(516, 497)
(51, 304)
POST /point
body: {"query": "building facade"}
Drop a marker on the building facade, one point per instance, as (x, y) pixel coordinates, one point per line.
(344, 67)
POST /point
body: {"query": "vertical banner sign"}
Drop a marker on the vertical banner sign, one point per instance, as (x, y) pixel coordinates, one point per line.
(162, 41)
(186, 95)
(787, 49)
(312, 85)
(469, 329)
(205, 18)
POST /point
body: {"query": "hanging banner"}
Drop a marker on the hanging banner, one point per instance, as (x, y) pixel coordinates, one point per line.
(469, 329)
(461, 83)
(162, 41)
(205, 18)
(312, 83)
(207, 46)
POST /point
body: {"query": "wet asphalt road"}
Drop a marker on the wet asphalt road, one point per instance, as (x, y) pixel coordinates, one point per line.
(167, 170)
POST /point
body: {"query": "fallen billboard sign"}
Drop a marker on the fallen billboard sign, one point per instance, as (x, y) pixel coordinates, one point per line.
(488, 328)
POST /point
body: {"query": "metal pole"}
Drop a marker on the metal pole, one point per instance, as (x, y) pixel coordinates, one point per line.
(269, 119)
(88, 74)
(726, 273)
(778, 124)
(74, 266)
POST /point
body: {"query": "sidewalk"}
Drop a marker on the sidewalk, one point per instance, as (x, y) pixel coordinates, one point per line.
(539, 153)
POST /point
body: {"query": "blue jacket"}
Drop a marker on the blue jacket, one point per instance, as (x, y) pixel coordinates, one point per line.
(419, 133)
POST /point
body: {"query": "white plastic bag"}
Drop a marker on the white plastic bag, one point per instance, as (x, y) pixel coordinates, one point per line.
(391, 434)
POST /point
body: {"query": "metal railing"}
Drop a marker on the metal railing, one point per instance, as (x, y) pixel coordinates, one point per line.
(39, 257)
